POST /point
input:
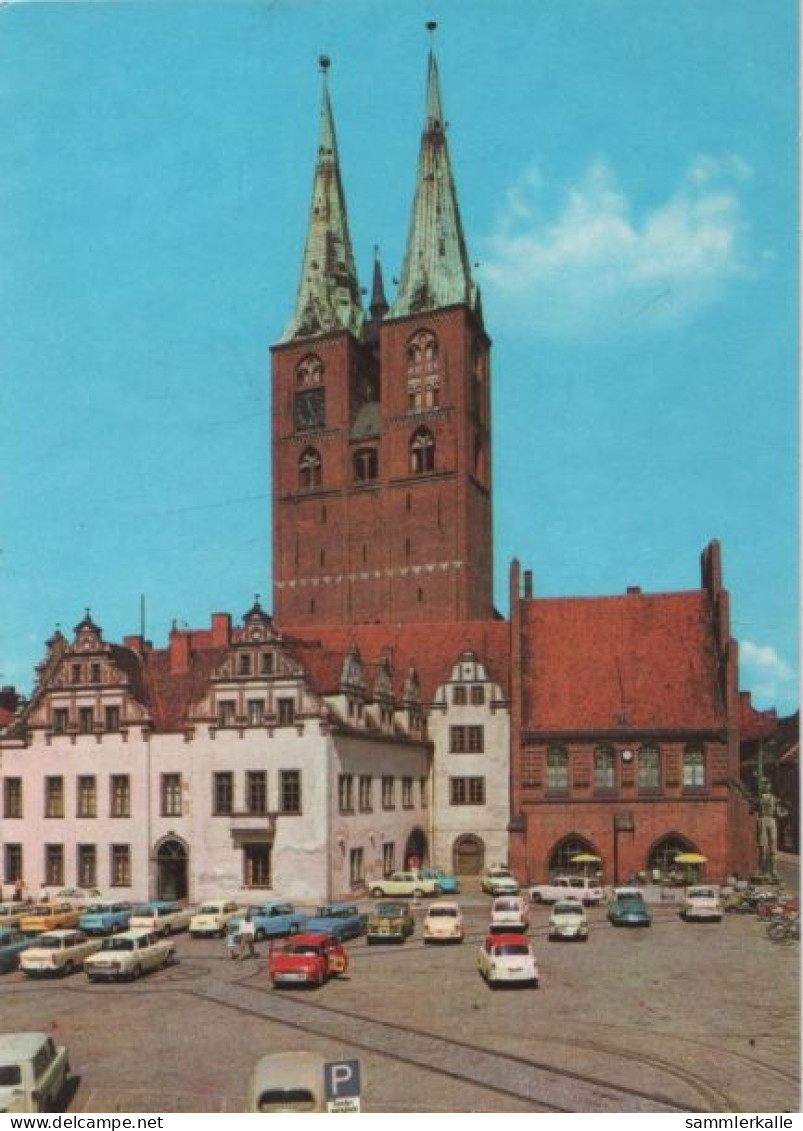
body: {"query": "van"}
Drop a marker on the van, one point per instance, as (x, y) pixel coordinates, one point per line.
(33, 1071)
(287, 1082)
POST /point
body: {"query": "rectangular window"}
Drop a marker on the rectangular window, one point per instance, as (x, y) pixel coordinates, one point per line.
(287, 712)
(222, 794)
(266, 663)
(477, 695)
(76, 673)
(466, 791)
(171, 795)
(256, 712)
(290, 790)
(120, 795)
(87, 870)
(466, 740)
(112, 718)
(604, 769)
(244, 665)
(424, 792)
(12, 864)
(388, 859)
(54, 865)
(256, 865)
(86, 720)
(693, 770)
(256, 791)
(54, 797)
(120, 866)
(366, 793)
(61, 718)
(388, 793)
(86, 802)
(356, 867)
(557, 770)
(459, 695)
(345, 793)
(12, 797)
(407, 793)
(94, 673)
(226, 712)
(649, 769)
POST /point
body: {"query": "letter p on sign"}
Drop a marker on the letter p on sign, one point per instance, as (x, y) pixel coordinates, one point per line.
(342, 1084)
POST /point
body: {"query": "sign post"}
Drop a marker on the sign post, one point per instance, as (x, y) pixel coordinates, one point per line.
(342, 1085)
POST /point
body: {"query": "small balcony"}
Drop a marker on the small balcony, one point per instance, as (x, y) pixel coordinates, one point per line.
(252, 826)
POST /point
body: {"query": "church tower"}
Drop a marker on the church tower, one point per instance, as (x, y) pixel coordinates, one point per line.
(381, 423)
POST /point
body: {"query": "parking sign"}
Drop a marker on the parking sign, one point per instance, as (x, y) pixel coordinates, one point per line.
(342, 1085)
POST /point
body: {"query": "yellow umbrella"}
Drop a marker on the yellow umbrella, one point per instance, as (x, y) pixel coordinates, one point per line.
(585, 858)
(690, 858)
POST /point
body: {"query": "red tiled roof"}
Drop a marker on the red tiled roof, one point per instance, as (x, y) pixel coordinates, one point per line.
(433, 649)
(752, 722)
(640, 660)
(6, 717)
(172, 694)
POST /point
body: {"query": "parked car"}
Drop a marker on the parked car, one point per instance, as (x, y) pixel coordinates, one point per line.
(584, 888)
(448, 883)
(33, 1071)
(498, 880)
(48, 916)
(79, 895)
(701, 902)
(509, 913)
(389, 921)
(105, 918)
(12, 942)
(272, 919)
(287, 1082)
(403, 883)
(507, 959)
(343, 920)
(162, 916)
(129, 955)
(11, 914)
(57, 952)
(309, 958)
(628, 909)
(212, 917)
(443, 923)
(568, 920)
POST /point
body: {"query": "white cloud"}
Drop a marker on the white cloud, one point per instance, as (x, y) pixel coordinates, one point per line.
(593, 264)
(765, 673)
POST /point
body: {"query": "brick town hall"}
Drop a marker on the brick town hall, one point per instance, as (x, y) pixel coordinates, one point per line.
(385, 711)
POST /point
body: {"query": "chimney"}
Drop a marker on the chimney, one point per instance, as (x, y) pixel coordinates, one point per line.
(633, 590)
(179, 652)
(221, 630)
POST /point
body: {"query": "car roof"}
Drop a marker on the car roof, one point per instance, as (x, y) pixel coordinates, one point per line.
(312, 937)
(62, 932)
(444, 903)
(134, 933)
(628, 891)
(570, 904)
(337, 907)
(506, 938)
(21, 1045)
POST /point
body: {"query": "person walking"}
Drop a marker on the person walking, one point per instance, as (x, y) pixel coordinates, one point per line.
(247, 939)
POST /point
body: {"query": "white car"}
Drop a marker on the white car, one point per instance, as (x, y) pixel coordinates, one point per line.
(57, 952)
(568, 920)
(163, 917)
(584, 888)
(509, 913)
(701, 902)
(212, 917)
(128, 956)
(443, 923)
(507, 960)
(498, 880)
(403, 883)
(33, 1071)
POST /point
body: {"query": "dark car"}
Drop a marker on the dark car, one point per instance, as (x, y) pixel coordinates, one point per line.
(628, 909)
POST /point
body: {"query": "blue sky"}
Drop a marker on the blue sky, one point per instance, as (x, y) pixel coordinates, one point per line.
(627, 172)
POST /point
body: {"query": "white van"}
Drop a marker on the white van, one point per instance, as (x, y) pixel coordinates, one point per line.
(33, 1071)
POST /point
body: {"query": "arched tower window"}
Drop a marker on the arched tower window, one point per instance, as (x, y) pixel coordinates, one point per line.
(309, 371)
(366, 465)
(422, 452)
(309, 470)
(423, 372)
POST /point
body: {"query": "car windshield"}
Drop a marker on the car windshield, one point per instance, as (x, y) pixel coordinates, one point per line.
(46, 943)
(389, 909)
(512, 948)
(702, 893)
(568, 909)
(506, 905)
(442, 912)
(144, 912)
(631, 897)
(10, 1075)
(118, 944)
(301, 948)
(97, 909)
(210, 909)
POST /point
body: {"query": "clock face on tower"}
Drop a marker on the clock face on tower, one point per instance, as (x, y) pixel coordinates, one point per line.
(309, 409)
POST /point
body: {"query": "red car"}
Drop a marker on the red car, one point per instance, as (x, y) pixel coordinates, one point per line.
(306, 959)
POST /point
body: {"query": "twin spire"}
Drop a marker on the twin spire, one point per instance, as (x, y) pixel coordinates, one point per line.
(436, 270)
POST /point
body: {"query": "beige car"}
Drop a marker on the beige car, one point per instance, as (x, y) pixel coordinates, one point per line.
(444, 923)
(33, 1071)
(162, 916)
(287, 1082)
(701, 902)
(509, 913)
(57, 953)
(212, 917)
(128, 956)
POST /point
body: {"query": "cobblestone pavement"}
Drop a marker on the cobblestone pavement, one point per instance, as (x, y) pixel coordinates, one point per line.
(698, 1017)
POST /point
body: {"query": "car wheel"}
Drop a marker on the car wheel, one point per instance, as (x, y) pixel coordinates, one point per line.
(418, 893)
(536, 897)
(136, 973)
(377, 893)
(68, 968)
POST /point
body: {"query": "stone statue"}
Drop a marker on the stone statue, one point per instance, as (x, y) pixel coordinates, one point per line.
(769, 809)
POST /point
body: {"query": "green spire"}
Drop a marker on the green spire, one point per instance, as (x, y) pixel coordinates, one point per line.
(436, 269)
(328, 295)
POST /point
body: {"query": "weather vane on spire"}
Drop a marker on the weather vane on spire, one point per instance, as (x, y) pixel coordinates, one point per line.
(324, 62)
(431, 26)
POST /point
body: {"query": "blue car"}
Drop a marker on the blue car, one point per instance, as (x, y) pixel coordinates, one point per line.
(449, 884)
(272, 919)
(340, 919)
(628, 909)
(105, 918)
(12, 942)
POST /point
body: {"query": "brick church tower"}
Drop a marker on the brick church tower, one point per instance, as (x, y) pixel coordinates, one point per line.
(381, 421)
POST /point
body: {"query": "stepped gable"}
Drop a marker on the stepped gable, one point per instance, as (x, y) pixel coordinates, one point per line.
(602, 663)
(432, 649)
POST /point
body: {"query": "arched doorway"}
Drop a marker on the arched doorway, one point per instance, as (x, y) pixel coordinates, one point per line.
(468, 855)
(561, 858)
(661, 857)
(416, 853)
(172, 869)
